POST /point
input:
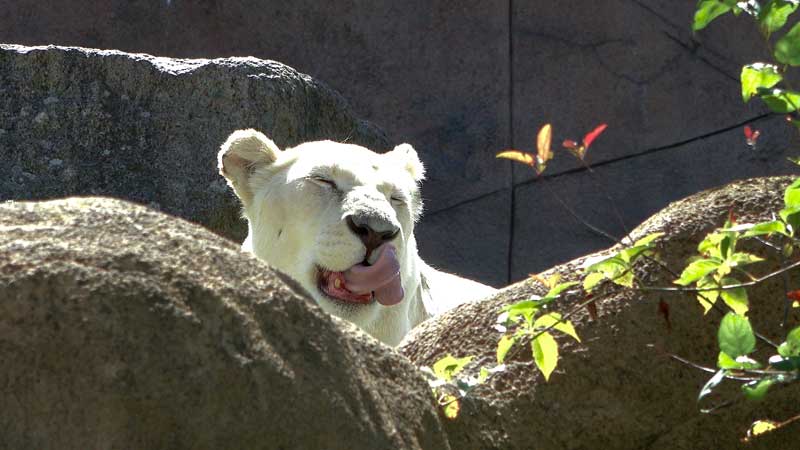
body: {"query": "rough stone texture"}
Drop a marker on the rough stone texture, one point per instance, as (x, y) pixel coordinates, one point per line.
(87, 122)
(433, 74)
(619, 389)
(121, 327)
(378, 54)
(463, 80)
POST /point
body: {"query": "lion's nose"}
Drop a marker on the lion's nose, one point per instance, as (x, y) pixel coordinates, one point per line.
(372, 232)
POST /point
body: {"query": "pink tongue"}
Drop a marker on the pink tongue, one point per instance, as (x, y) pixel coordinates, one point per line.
(382, 278)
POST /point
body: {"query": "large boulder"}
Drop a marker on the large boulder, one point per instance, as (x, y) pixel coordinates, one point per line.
(121, 327)
(619, 388)
(77, 121)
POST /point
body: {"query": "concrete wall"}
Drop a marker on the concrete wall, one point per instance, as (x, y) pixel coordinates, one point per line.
(462, 80)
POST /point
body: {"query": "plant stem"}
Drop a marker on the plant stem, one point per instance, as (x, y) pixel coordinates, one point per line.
(576, 216)
(723, 288)
(608, 197)
(786, 300)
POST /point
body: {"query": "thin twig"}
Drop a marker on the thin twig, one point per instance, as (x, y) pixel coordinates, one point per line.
(720, 288)
(768, 244)
(610, 200)
(710, 370)
(786, 300)
(576, 216)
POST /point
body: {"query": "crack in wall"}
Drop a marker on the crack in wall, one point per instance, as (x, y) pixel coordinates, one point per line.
(692, 49)
(510, 139)
(659, 16)
(571, 43)
(693, 46)
(643, 153)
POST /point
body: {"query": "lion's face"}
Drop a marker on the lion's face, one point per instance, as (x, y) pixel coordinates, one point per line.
(338, 218)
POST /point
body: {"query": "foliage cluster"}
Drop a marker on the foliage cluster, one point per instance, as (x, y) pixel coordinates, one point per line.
(717, 277)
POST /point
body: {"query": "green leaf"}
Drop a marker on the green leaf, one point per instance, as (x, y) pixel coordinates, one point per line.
(740, 259)
(451, 406)
(760, 229)
(787, 49)
(712, 383)
(727, 246)
(756, 390)
(697, 270)
(735, 298)
(483, 375)
(758, 75)
(724, 361)
(708, 10)
(774, 14)
(545, 354)
(778, 362)
(791, 215)
(711, 244)
(524, 308)
(781, 101)
(609, 266)
(641, 247)
(736, 336)
(707, 298)
(625, 279)
(559, 288)
(615, 269)
(592, 280)
(630, 254)
(724, 269)
(554, 319)
(447, 367)
(791, 347)
(791, 196)
(647, 240)
(503, 346)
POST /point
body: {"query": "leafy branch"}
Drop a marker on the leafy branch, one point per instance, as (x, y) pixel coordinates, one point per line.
(719, 271)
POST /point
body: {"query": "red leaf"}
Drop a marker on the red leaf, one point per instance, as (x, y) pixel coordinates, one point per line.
(663, 309)
(793, 295)
(751, 135)
(592, 135)
(570, 144)
(731, 217)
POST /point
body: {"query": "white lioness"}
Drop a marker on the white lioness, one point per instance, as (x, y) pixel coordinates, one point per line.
(339, 219)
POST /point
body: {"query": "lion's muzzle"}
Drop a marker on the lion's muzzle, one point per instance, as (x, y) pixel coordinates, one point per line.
(362, 283)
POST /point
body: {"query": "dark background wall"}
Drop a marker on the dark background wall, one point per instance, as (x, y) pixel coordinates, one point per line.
(462, 80)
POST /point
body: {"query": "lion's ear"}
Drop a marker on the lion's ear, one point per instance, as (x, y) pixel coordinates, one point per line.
(243, 153)
(407, 156)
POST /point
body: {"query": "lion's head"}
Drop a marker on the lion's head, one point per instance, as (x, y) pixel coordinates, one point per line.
(339, 219)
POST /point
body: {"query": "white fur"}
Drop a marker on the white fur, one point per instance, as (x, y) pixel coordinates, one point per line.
(296, 221)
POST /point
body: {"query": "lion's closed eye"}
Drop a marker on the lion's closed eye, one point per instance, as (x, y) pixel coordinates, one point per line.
(398, 199)
(322, 181)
